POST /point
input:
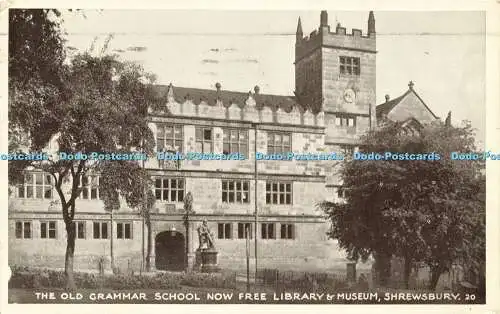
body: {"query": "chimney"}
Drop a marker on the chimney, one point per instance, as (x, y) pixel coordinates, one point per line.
(371, 23)
(218, 86)
(447, 122)
(256, 89)
(387, 98)
(411, 84)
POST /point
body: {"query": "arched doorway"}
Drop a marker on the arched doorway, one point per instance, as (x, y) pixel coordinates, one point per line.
(170, 251)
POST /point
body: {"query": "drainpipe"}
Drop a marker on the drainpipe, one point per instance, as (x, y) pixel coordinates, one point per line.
(255, 200)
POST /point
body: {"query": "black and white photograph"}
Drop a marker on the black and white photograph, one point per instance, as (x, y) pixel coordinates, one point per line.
(312, 156)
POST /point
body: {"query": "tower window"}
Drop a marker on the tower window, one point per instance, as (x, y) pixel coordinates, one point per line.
(349, 66)
(345, 121)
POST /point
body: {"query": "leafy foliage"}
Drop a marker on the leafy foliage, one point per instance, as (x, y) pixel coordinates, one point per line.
(426, 211)
(89, 104)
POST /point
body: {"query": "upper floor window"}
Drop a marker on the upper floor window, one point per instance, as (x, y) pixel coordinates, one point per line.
(169, 138)
(23, 230)
(345, 121)
(278, 143)
(278, 193)
(169, 189)
(204, 140)
(348, 150)
(90, 187)
(35, 185)
(48, 230)
(235, 191)
(349, 65)
(235, 141)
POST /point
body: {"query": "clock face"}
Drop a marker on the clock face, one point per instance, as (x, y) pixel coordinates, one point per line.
(349, 95)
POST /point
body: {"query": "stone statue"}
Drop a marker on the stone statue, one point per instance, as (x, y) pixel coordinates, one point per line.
(205, 236)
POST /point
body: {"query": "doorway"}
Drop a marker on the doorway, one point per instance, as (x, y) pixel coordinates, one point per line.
(170, 251)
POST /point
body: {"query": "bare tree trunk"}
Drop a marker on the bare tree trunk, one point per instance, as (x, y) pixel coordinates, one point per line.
(436, 272)
(382, 268)
(111, 245)
(407, 272)
(150, 246)
(69, 258)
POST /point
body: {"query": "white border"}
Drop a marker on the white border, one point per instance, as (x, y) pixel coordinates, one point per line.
(492, 143)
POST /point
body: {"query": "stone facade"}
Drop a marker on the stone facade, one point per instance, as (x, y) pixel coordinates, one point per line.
(334, 104)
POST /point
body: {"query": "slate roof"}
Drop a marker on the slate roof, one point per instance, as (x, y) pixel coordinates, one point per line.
(386, 108)
(210, 96)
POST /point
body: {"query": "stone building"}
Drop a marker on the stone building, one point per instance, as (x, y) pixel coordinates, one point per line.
(334, 103)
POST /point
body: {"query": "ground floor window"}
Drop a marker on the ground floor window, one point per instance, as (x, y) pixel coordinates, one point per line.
(80, 229)
(23, 229)
(48, 229)
(100, 230)
(287, 231)
(267, 231)
(224, 231)
(123, 230)
(242, 230)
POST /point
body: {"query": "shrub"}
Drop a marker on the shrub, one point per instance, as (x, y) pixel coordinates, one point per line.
(25, 278)
(212, 280)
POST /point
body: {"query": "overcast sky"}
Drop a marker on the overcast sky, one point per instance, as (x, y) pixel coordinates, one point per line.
(442, 52)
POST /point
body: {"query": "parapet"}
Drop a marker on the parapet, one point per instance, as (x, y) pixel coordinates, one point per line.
(236, 106)
(338, 39)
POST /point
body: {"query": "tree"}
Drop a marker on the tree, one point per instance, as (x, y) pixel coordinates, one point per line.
(36, 64)
(104, 110)
(422, 211)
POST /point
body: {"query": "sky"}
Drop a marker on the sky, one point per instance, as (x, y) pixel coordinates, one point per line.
(442, 52)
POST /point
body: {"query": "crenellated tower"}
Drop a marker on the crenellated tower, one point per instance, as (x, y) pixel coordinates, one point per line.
(335, 73)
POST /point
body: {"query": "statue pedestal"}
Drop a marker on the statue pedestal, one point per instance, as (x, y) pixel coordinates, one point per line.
(206, 261)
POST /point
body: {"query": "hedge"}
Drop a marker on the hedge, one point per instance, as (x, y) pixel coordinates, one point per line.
(31, 278)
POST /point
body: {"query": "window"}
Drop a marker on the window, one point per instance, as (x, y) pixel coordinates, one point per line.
(234, 191)
(123, 230)
(35, 185)
(347, 150)
(48, 230)
(100, 230)
(267, 231)
(342, 192)
(80, 229)
(235, 141)
(287, 231)
(345, 121)
(169, 190)
(242, 229)
(224, 231)
(169, 138)
(349, 66)
(90, 188)
(23, 230)
(278, 143)
(278, 193)
(204, 140)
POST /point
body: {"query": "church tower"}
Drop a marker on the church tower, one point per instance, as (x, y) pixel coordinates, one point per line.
(335, 73)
